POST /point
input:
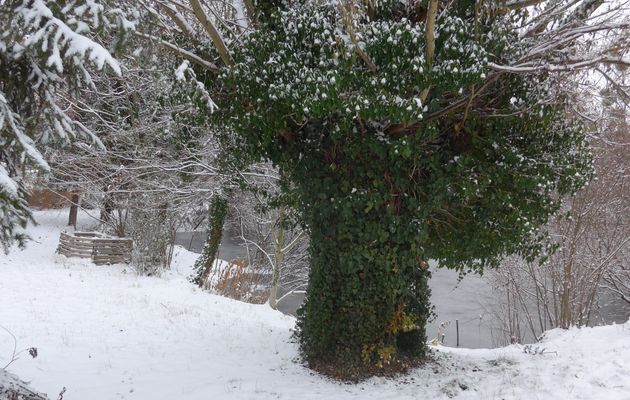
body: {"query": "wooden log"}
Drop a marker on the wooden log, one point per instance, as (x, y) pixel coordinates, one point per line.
(74, 245)
(88, 234)
(77, 245)
(112, 242)
(102, 255)
(75, 240)
(74, 251)
(71, 251)
(110, 253)
(111, 249)
(123, 248)
(83, 245)
(81, 241)
(111, 246)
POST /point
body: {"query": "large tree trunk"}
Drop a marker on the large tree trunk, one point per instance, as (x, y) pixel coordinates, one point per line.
(367, 302)
(13, 388)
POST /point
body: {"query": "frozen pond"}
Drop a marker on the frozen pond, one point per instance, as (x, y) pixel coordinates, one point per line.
(453, 300)
(465, 301)
(228, 250)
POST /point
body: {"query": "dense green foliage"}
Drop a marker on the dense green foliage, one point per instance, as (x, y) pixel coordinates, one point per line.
(384, 182)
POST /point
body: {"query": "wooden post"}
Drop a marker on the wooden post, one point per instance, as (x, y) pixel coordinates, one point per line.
(192, 237)
(74, 209)
(457, 330)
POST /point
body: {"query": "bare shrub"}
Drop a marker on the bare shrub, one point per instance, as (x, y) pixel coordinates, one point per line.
(592, 236)
(153, 232)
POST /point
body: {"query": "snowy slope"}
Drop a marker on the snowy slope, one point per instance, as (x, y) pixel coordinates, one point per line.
(105, 333)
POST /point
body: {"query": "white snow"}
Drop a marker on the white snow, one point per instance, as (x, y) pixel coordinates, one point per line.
(11, 121)
(105, 333)
(75, 44)
(179, 72)
(7, 185)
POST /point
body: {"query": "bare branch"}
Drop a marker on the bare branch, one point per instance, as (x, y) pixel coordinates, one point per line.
(347, 22)
(181, 52)
(518, 4)
(429, 35)
(559, 65)
(214, 34)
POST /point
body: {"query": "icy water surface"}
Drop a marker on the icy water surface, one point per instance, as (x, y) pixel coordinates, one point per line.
(467, 301)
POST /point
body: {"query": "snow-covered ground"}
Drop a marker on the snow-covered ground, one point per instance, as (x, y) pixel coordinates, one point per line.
(105, 333)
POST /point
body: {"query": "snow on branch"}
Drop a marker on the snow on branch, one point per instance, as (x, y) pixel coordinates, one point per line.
(62, 42)
(560, 65)
(11, 121)
(180, 51)
(567, 36)
(518, 4)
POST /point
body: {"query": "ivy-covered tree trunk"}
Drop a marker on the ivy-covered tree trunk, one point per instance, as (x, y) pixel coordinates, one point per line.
(216, 219)
(368, 298)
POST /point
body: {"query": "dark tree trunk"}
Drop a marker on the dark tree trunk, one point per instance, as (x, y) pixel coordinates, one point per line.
(74, 209)
(108, 207)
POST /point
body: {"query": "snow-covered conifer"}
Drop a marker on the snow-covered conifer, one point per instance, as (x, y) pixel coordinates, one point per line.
(47, 51)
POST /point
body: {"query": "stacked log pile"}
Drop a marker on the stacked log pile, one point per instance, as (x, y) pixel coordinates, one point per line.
(93, 245)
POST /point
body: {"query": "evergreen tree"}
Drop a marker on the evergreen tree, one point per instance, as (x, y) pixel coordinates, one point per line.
(47, 49)
(360, 106)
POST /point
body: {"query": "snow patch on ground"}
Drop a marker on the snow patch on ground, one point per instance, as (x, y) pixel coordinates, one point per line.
(105, 333)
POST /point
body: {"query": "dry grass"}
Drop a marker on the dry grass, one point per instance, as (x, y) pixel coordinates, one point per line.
(240, 282)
